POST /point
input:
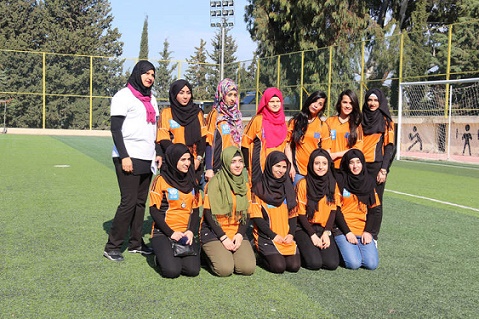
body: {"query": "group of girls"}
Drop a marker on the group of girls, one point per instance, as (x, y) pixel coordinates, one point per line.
(311, 188)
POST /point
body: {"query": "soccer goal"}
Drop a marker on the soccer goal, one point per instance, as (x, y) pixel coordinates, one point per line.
(439, 120)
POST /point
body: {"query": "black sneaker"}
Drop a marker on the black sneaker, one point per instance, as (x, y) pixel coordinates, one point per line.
(113, 255)
(144, 250)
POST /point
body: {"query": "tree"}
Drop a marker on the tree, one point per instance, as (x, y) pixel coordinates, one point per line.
(230, 67)
(56, 29)
(246, 78)
(198, 73)
(464, 58)
(21, 29)
(144, 41)
(164, 73)
(80, 27)
(282, 26)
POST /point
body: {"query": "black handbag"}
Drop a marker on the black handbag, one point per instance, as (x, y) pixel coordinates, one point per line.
(180, 250)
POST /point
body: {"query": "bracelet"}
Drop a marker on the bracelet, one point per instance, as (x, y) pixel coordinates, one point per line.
(222, 240)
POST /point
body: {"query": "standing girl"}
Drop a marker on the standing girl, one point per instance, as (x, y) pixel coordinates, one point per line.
(307, 132)
(345, 129)
(358, 214)
(174, 207)
(224, 125)
(273, 212)
(226, 218)
(183, 122)
(266, 132)
(133, 127)
(378, 147)
(318, 196)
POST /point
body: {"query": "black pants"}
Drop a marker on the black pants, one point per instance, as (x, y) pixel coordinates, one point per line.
(171, 266)
(314, 258)
(373, 170)
(277, 263)
(131, 211)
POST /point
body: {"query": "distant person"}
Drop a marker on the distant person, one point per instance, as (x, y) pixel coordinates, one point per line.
(345, 127)
(378, 143)
(307, 132)
(134, 113)
(466, 137)
(183, 122)
(267, 130)
(273, 213)
(224, 125)
(318, 197)
(416, 137)
(174, 207)
(357, 216)
(226, 218)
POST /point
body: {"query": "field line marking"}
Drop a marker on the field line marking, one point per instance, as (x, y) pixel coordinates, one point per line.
(452, 164)
(434, 200)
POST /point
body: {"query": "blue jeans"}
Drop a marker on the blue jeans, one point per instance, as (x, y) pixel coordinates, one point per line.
(297, 178)
(356, 256)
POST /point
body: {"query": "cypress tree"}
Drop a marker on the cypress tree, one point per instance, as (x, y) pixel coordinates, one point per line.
(144, 41)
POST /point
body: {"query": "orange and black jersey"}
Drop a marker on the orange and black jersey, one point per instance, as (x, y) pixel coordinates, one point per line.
(374, 146)
(173, 210)
(339, 133)
(170, 131)
(355, 216)
(316, 135)
(270, 221)
(218, 137)
(212, 229)
(253, 140)
(325, 213)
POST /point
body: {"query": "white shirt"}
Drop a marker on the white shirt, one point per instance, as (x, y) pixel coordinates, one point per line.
(138, 135)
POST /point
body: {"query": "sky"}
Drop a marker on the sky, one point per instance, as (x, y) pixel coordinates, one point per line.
(182, 22)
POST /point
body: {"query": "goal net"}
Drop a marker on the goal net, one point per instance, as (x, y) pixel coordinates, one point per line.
(439, 120)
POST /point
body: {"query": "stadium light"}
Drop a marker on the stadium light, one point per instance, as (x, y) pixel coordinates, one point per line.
(222, 15)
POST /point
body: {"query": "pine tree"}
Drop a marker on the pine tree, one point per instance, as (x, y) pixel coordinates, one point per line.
(21, 29)
(164, 73)
(230, 67)
(198, 73)
(80, 27)
(464, 58)
(282, 26)
(144, 41)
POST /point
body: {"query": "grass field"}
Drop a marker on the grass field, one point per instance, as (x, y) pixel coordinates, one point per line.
(59, 194)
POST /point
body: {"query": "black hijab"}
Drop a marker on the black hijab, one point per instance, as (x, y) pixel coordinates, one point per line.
(185, 182)
(373, 121)
(274, 190)
(134, 80)
(319, 186)
(186, 116)
(361, 185)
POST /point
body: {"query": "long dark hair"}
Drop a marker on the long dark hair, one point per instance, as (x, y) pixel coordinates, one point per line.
(301, 118)
(354, 118)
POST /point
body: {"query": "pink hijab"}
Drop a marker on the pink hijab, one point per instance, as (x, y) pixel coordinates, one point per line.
(274, 124)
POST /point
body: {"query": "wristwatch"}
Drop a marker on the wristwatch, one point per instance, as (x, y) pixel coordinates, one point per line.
(199, 158)
(327, 232)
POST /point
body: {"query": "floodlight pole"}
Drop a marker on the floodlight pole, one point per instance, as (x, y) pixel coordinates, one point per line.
(222, 61)
(221, 14)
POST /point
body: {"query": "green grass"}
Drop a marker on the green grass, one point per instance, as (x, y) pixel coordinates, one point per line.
(54, 222)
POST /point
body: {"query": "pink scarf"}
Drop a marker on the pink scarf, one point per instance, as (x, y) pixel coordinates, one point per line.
(274, 124)
(146, 100)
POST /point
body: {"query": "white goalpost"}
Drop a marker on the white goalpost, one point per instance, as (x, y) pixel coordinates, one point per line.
(439, 120)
